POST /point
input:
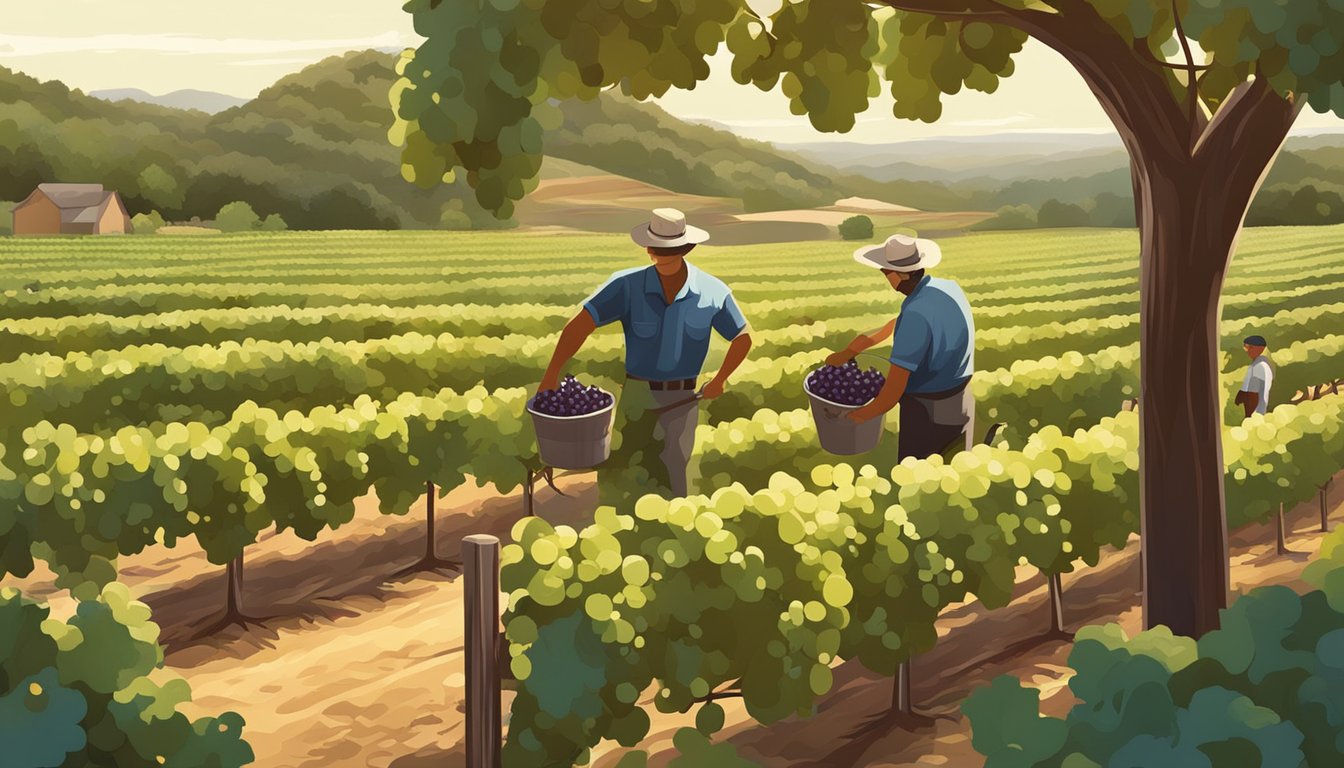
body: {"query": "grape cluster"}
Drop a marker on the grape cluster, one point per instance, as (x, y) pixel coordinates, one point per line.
(571, 399)
(846, 384)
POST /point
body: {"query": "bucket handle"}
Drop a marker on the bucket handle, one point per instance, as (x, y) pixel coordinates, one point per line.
(677, 404)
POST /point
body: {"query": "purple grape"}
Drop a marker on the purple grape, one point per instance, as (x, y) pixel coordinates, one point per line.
(846, 384)
(571, 398)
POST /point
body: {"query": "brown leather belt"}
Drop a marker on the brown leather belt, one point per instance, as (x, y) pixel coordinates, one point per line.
(662, 386)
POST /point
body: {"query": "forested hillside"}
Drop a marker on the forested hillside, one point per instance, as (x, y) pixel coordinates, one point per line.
(314, 149)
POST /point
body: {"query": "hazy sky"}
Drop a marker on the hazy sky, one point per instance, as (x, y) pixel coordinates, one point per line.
(240, 46)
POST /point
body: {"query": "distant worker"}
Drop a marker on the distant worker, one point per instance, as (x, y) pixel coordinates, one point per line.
(932, 351)
(1254, 394)
(666, 311)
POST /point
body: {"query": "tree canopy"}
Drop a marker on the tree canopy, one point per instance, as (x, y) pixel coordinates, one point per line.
(479, 94)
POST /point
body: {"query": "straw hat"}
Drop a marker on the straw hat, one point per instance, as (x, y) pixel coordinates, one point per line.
(667, 228)
(901, 253)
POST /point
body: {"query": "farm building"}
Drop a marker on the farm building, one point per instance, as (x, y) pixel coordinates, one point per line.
(71, 209)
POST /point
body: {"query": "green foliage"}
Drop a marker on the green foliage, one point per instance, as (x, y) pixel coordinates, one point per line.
(156, 183)
(79, 692)
(146, 223)
(1011, 217)
(1054, 213)
(763, 591)
(273, 223)
(237, 217)
(1296, 205)
(856, 228)
(453, 219)
(1298, 46)
(1263, 690)
(6, 218)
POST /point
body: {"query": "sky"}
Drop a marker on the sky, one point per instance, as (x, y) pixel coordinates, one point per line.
(238, 47)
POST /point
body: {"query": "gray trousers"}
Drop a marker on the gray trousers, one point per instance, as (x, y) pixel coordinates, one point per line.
(677, 428)
(654, 451)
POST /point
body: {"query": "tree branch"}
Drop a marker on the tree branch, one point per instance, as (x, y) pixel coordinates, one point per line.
(1192, 79)
(1120, 73)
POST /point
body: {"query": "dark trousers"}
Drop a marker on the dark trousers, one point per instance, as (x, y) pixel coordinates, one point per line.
(936, 423)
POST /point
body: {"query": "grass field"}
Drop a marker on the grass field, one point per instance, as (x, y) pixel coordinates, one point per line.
(330, 364)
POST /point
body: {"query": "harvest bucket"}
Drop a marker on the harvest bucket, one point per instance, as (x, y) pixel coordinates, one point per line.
(837, 433)
(573, 442)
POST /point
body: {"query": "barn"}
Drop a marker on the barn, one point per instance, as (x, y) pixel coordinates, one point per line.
(71, 209)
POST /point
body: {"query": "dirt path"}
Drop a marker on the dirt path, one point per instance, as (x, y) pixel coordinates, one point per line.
(353, 667)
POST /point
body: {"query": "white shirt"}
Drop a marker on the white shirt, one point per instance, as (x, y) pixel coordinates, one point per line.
(1259, 379)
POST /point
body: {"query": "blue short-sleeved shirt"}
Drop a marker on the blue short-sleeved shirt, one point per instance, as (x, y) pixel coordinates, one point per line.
(934, 337)
(666, 342)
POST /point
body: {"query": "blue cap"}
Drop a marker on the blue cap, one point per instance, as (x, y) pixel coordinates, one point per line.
(1255, 341)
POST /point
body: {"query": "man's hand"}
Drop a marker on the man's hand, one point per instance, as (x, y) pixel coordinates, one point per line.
(860, 415)
(838, 359)
(712, 390)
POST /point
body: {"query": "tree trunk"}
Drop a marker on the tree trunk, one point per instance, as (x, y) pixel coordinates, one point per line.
(1189, 233)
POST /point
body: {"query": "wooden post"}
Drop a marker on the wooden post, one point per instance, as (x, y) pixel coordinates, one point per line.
(1325, 510)
(901, 703)
(430, 493)
(481, 622)
(528, 492)
(233, 576)
(1055, 584)
(1280, 534)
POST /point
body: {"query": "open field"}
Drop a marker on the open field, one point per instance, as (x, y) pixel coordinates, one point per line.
(212, 396)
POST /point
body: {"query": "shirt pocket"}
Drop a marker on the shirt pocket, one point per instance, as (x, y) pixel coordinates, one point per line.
(698, 325)
(644, 329)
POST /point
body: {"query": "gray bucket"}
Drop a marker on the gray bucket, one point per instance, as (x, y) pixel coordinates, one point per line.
(837, 433)
(574, 442)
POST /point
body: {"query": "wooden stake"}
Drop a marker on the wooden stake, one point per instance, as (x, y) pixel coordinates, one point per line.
(531, 478)
(1325, 510)
(1055, 583)
(481, 621)
(901, 702)
(1282, 539)
(233, 576)
(429, 522)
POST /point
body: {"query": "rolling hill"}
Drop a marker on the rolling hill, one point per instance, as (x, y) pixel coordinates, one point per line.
(313, 148)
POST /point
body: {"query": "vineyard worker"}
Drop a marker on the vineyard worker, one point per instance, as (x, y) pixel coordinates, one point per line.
(667, 311)
(932, 351)
(1254, 394)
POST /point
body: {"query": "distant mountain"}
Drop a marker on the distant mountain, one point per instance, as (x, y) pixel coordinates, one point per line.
(956, 153)
(209, 102)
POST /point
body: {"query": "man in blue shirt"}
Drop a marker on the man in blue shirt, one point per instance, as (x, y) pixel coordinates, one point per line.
(666, 312)
(932, 351)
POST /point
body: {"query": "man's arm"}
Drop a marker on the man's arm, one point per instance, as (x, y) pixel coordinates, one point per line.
(571, 340)
(887, 398)
(737, 352)
(861, 342)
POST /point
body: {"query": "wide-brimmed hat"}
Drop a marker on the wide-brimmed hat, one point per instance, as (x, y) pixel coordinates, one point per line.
(667, 228)
(901, 253)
